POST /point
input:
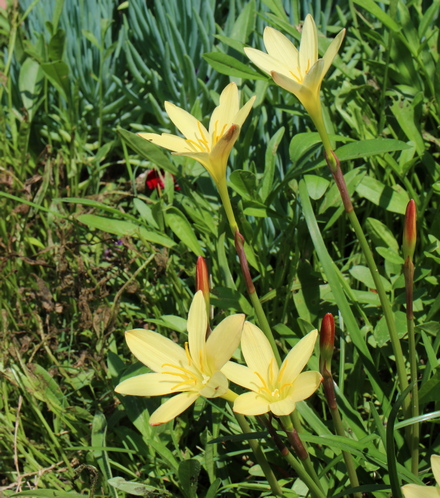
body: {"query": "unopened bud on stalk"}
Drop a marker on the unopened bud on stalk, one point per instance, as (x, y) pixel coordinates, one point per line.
(410, 231)
(326, 344)
(202, 282)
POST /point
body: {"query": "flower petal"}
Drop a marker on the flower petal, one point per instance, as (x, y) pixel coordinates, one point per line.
(332, 50)
(220, 153)
(305, 385)
(223, 341)
(266, 62)
(298, 357)
(251, 404)
(154, 350)
(287, 82)
(281, 48)
(150, 384)
(313, 79)
(416, 491)
(435, 464)
(197, 326)
(308, 50)
(283, 407)
(224, 113)
(258, 352)
(243, 113)
(241, 375)
(173, 407)
(168, 141)
(186, 123)
(216, 386)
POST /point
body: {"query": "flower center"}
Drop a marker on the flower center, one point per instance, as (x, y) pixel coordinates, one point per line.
(218, 134)
(299, 75)
(273, 389)
(201, 144)
(192, 378)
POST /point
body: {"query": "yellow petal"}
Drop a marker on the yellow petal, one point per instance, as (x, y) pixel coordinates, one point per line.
(224, 113)
(186, 123)
(287, 82)
(251, 404)
(281, 48)
(298, 357)
(168, 141)
(223, 341)
(416, 491)
(150, 384)
(435, 464)
(216, 386)
(258, 352)
(173, 407)
(154, 350)
(266, 62)
(332, 50)
(218, 159)
(305, 385)
(241, 375)
(243, 113)
(197, 326)
(314, 77)
(282, 407)
(308, 50)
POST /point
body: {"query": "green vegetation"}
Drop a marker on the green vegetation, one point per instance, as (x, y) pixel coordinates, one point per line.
(89, 250)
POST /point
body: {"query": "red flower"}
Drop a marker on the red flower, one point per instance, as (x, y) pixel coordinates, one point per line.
(155, 180)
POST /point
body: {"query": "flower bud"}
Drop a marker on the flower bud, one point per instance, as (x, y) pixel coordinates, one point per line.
(410, 231)
(326, 344)
(202, 281)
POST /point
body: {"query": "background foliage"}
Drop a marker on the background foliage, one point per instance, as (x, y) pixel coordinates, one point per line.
(87, 251)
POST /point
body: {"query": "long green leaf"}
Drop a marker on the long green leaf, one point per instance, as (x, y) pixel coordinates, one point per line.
(125, 228)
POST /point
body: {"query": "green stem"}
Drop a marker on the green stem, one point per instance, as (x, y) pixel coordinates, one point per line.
(386, 306)
(329, 390)
(259, 456)
(310, 481)
(408, 270)
(292, 432)
(264, 324)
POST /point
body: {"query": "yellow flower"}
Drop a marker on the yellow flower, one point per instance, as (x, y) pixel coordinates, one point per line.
(191, 372)
(297, 71)
(273, 388)
(211, 148)
(416, 491)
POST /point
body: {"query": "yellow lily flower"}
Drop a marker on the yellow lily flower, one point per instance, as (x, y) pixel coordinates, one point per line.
(416, 491)
(191, 372)
(210, 147)
(297, 71)
(272, 388)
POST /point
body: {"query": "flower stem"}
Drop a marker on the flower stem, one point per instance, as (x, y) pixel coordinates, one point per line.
(386, 306)
(329, 390)
(311, 482)
(226, 201)
(259, 456)
(291, 430)
(261, 316)
(408, 270)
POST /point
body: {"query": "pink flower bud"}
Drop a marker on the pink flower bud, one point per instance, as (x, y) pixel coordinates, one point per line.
(202, 281)
(410, 231)
(326, 344)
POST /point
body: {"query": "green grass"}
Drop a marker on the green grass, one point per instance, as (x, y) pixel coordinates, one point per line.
(78, 79)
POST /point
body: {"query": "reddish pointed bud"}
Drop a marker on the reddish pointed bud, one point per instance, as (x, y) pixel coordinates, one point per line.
(410, 231)
(326, 344)
(202, 281)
